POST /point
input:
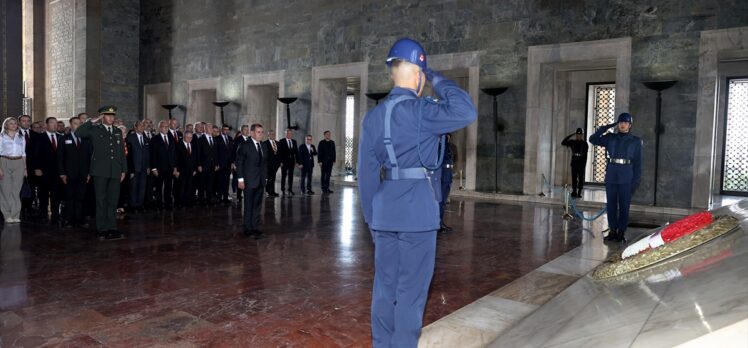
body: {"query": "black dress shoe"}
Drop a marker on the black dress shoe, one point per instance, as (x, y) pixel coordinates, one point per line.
(612, 236)
(247, 232)
(310, 192)
(444, 228)
(328, 191)
(290, 193)
(258, 234)
(273, 194)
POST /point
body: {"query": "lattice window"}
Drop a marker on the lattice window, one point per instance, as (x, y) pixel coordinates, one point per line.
(350, 103)
(735, 168)
(602, 108)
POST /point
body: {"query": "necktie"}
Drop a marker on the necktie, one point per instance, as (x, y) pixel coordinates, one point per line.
(166, 140)
(189, 148)
(210, 141)
(174, 134)
(275, 149)
(77, 142)
(289, 143)
(54, 142)
(140, 139)
(258, 149)
(26, 135)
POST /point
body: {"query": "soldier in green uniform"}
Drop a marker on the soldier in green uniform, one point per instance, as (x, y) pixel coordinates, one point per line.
(108, 168)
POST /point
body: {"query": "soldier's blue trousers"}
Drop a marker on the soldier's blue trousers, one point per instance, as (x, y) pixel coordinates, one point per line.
(619, 200)
(403, 267)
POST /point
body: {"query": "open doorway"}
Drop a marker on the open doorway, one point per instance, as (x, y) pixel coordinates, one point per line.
(202, 94)
(338, 105)
(337, 114)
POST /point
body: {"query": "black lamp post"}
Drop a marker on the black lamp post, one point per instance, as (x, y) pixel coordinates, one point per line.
(169, 107)
(221, 104)
(377, 96)
(288, 101)
(658, 86)
(494, 92)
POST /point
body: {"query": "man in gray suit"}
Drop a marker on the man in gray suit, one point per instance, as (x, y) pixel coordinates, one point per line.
(251, 171)
(139, 162)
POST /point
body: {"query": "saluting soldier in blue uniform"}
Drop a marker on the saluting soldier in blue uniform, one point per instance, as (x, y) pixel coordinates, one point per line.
(623, 172)
(401, 136)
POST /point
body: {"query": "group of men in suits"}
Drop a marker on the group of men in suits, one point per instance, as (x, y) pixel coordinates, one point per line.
(164, 167)
(178, 169)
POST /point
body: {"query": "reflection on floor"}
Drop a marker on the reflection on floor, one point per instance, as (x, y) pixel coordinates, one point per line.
(699, 299)
(190, 277)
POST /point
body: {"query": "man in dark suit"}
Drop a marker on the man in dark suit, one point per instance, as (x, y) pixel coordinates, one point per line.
(108, 168)
(289, 157)
(73, 162)
(24, 128)
(207, 166)
(326, 159)
(139, 164)
(306, 157)
(273, 163)
(163, 165)
(176, 135)
(243, 137)
(225, 159)
(251, 169)
(44, 165)
(186, 170)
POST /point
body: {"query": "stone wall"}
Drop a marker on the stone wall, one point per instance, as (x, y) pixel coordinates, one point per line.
(183, 40)
(120, 57)
(60, 67)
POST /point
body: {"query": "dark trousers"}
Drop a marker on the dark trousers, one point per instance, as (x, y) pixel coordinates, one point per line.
(222, 182)
(270, 182)
(306, 178)
(185, 189)
(206, 191)
(403, 267)
(137, 189)
(75, 194)
(148, 197)
(325, 176)
(28, 202)
(89, 202)
(163, 183)
(252, 207)
(124, 192)
(446, 183)
(287, 172)
(107, 195)
(577, 178)
(619, 200)
(50, 192)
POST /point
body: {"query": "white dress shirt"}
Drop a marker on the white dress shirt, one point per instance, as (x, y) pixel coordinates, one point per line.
(12, 147)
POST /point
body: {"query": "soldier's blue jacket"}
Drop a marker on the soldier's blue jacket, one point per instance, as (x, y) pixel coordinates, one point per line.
(408, 205)
(623, 146)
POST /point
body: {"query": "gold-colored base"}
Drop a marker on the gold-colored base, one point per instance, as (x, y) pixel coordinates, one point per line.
(616, 265)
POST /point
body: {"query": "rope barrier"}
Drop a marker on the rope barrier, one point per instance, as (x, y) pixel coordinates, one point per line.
(580, 214)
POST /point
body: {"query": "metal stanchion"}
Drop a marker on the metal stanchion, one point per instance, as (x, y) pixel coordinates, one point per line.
(567, 215)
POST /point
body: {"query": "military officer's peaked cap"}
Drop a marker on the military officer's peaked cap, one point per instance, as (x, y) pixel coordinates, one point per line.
(109, 109)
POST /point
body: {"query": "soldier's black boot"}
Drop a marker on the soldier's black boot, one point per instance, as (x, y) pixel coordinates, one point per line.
(612, 235)
(620, 237)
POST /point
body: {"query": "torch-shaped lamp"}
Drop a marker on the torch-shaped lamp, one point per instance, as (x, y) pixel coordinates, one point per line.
(221, 104)
(498, 127)
(288, 101)
(376, 96)
(169, 107)
(658, 86)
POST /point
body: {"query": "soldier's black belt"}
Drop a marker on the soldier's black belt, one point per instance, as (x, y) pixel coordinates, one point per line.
(12, 157)
(408, 173)
(578, 154)
(619, 161)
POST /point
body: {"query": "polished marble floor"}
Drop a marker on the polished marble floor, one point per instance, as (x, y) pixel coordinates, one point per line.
(190, 278)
